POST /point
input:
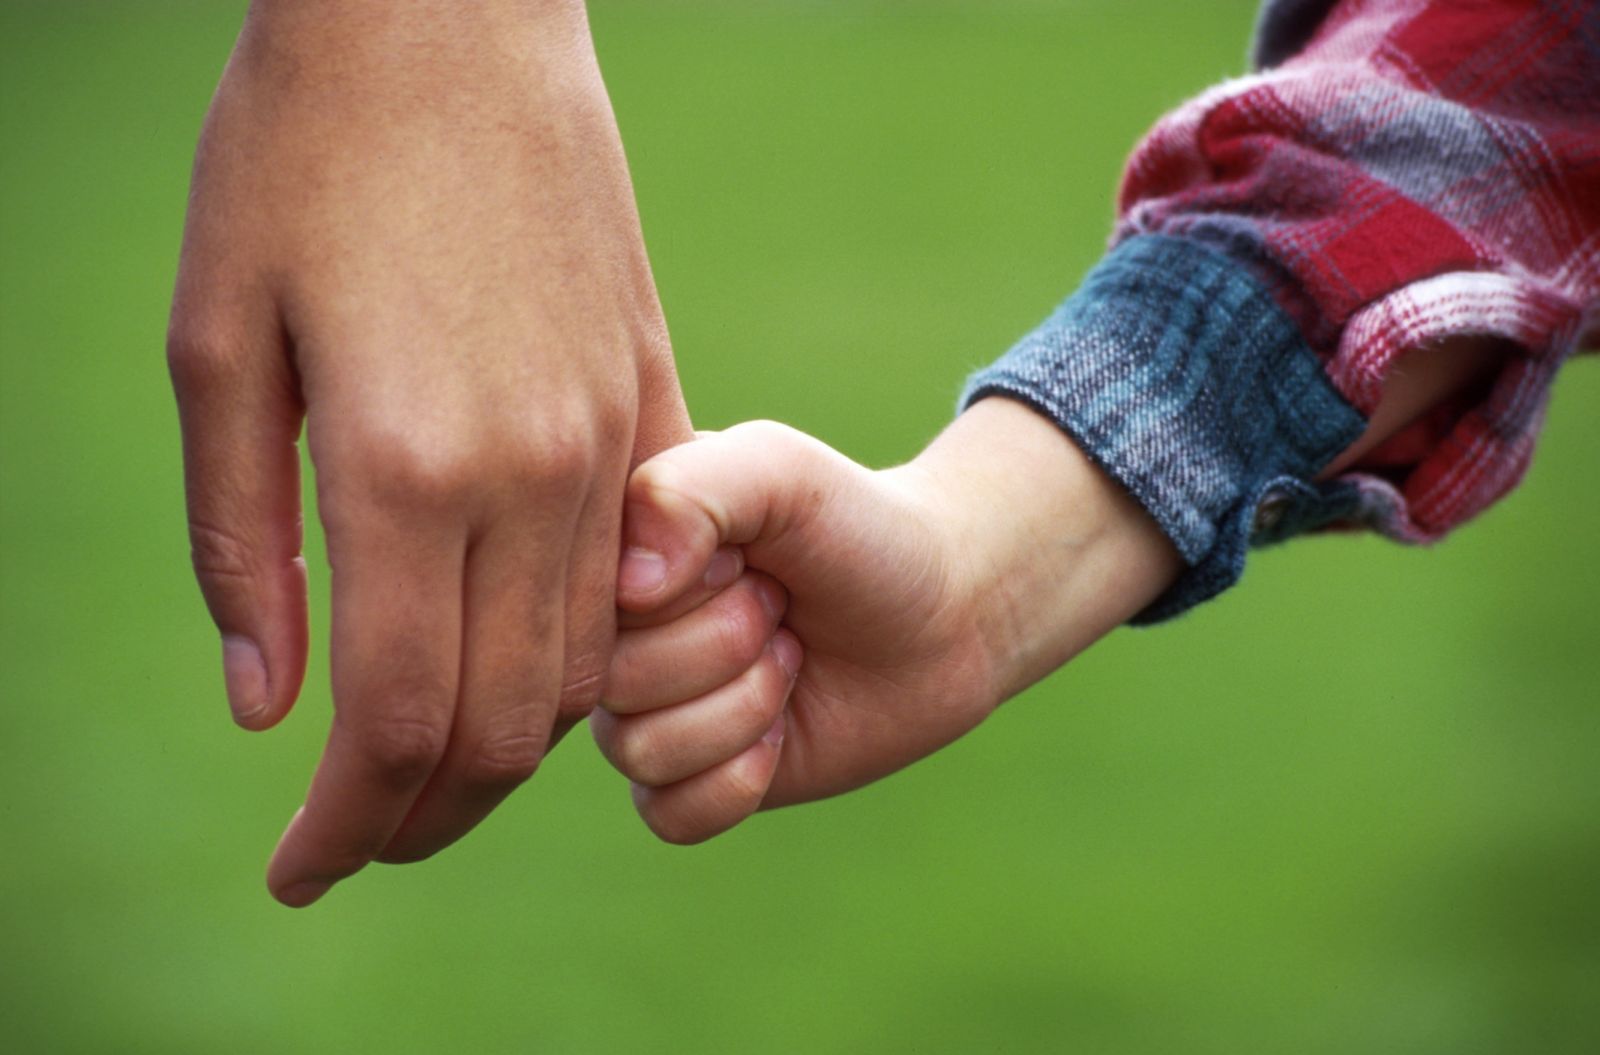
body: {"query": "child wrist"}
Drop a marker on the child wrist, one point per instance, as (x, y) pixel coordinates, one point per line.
(1052, 553)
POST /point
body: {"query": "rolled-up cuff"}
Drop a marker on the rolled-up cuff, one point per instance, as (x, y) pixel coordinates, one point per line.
(1174, 369)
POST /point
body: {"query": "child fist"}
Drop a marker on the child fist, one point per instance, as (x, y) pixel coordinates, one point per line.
(881, 614)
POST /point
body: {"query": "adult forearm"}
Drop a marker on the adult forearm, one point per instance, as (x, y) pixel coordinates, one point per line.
(449, 22)
(401, 55)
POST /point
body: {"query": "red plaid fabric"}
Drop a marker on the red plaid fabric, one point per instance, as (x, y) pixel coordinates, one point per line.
(1419, 170)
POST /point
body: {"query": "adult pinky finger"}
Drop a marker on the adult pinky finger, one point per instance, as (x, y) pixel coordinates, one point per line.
(710, 802)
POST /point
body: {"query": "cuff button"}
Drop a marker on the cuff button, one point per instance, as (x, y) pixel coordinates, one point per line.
(1269, 514)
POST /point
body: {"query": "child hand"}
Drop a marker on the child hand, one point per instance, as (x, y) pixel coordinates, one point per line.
(915, 604)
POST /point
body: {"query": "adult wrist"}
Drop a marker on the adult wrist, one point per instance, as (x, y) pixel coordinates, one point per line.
(418, 35)
(457, 12)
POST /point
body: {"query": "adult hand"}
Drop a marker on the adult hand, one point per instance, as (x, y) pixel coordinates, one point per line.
(411, 226)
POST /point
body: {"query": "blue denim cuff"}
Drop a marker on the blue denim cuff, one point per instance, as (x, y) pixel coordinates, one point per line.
(1174, 369)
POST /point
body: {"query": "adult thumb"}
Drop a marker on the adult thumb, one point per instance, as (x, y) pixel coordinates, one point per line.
(240, 413)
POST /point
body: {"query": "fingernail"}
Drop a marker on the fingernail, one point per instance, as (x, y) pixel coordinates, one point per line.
(245, 674)
(642, 571)
(774, 599)
(787, 652)
(774, 735)
(302, 894)
(725, 566)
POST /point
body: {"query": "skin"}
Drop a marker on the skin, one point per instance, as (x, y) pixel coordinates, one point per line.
(884, 614)
(913, 610)
(411, 229)
(412, 234)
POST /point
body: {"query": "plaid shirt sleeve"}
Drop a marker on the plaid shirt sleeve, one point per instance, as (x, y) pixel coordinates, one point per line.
(1408, 171)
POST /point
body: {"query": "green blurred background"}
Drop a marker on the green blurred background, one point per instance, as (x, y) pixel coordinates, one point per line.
(1352, 807)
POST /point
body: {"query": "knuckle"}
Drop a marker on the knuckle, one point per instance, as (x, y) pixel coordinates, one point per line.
(767, 433)
(803, 455)
(671, 827)
(219, 554)
(637, 756)
(755, 704)
(506, 760)
(407, 467)
(738, 628)
(195, 362)
(617, 417)
(556, 462)
(416, 469)
(745, 786)
(405, 749)
(580, 693)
